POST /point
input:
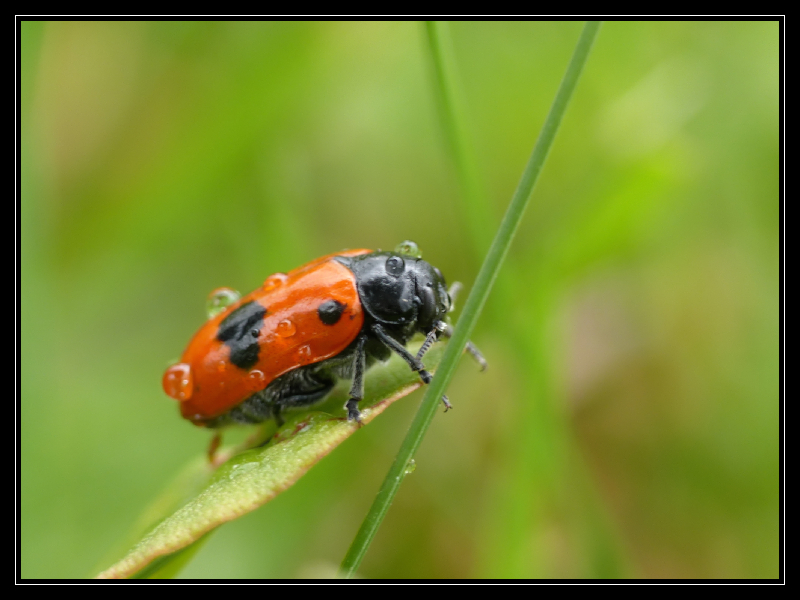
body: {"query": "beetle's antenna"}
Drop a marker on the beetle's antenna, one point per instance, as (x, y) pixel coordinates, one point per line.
(413, 362)
(438, 328)
(453, 292)
(426, 345)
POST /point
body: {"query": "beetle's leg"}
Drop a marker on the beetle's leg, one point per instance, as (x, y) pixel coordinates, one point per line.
(414, 362)
(357, 388)
(477, 356)
(470, 348)
(393, 344)
(214, 446)
(276, 414)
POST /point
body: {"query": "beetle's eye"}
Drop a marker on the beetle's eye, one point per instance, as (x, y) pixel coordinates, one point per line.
(438, 274)
(395, 266)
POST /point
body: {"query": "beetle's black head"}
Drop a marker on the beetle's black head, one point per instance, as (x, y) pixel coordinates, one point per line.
(399, 290)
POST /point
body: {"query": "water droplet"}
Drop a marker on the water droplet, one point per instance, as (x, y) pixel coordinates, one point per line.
(286, 328)
(304, 354)
(241, 469)
(178, 382)
(411, 467)
(219, 300)
(256, 379)
(222, 366)
(275, 280)
(408, 248)
(248, 466)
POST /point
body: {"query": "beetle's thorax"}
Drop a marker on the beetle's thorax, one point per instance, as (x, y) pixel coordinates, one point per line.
(402, 293)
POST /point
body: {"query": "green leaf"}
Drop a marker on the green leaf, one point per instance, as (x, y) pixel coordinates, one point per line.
(255, 476)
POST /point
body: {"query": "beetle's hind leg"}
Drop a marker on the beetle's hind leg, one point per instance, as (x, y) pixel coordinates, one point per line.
(276, 414)
(213, 446)
(357, 387)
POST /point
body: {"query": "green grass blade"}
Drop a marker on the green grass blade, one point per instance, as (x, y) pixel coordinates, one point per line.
(474, 304)
(453, 115)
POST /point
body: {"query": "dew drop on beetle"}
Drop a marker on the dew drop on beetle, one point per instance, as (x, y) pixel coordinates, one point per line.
(304, 354)
(273, 281)
(219, 300)
(256, 379)
(178, 382)
(408, 248)
(286, 328)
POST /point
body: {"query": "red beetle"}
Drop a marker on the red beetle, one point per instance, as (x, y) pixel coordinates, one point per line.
(285, 344)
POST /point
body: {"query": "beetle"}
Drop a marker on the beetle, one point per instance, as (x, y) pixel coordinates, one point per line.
(287, 343)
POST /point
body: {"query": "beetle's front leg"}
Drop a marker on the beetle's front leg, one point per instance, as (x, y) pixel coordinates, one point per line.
(413, 362)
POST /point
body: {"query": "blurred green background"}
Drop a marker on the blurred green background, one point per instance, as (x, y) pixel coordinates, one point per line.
(629, 422)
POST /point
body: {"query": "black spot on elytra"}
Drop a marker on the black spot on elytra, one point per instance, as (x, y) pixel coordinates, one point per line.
(239, 330)
(330, 312)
